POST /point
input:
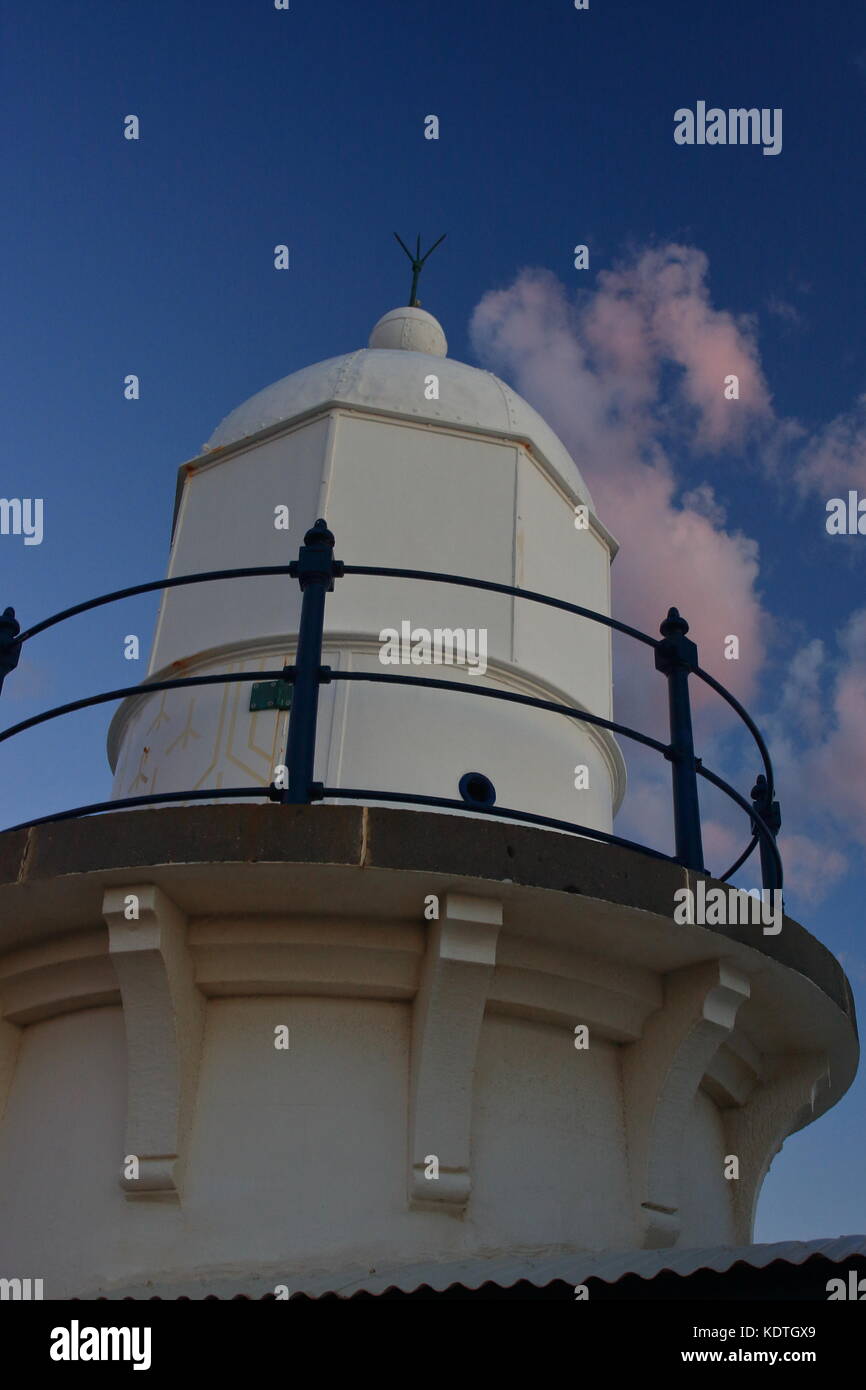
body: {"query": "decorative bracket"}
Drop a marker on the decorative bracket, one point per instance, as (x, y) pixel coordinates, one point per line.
(661, 1075)
(163, 1012)
(756, 1131)
(446, 1027)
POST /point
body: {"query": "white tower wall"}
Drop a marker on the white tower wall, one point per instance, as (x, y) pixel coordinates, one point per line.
(473, 495)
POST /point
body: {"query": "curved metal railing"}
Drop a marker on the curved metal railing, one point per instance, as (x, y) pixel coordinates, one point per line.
(316, 570)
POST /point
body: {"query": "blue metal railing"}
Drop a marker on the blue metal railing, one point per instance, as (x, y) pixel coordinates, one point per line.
(316, 571)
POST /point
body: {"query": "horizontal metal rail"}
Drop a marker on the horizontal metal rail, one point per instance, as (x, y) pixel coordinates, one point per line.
(585, 717)
(345, 794)
(316, 569)
(389, 572)
(205, 577)
(222, 678)
(125, 803)
(466, 687)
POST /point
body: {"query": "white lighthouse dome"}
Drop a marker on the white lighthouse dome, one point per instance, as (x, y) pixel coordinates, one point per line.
(391, 377)
(416, 461)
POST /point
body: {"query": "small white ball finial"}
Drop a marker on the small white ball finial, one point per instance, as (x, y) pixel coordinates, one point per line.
(411, 329)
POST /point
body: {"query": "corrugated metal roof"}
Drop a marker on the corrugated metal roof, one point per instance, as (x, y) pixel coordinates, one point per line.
(539, 1269)
(577, 1268)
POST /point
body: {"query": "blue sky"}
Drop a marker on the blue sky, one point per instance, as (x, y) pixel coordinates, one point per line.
(306, 127)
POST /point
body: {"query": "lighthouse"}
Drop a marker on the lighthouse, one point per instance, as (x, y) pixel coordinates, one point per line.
(352, 985)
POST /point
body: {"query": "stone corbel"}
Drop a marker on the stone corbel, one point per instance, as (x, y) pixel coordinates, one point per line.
(661, 1074)
(756, 1131)
(458, 967)
(163, 1013)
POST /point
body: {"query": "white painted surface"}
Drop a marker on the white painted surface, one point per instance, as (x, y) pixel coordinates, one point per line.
(549, 1138)
(61, 1140)
(392, 381)
(412, 329)
(705, 1192)
(481, 488)
(262, 1165)
(284, 1165)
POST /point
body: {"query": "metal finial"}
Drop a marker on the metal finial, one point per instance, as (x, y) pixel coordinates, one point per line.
(417, 264)
(319, 534)
(673, 623)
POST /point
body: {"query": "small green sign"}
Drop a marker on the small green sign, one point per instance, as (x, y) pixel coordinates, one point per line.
(271, 695)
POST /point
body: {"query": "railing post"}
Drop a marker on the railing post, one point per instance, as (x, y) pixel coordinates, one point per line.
(675, 657)
(10, 647)
(771, 815)
(315, 570)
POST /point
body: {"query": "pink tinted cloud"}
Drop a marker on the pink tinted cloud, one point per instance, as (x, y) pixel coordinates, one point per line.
(834, 768)
(833, 459)
(812, 869)
(665, 292)
(595, 371)
(723, 845)
(598, 369)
